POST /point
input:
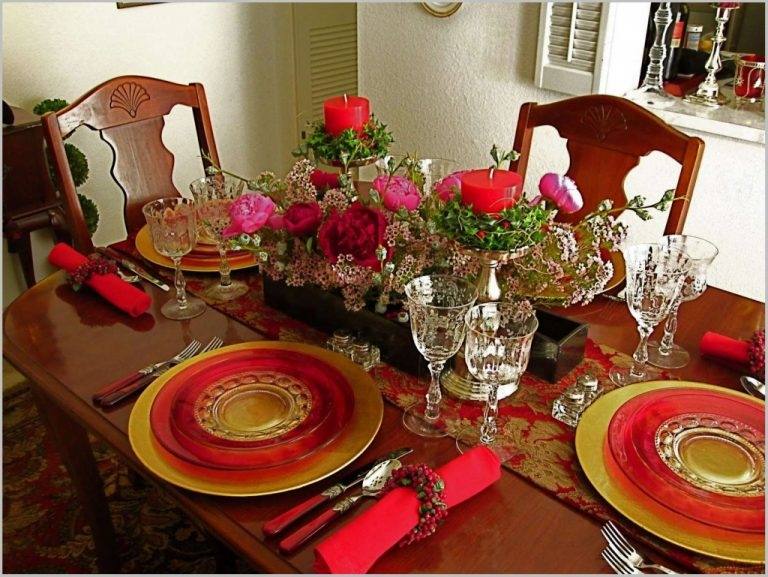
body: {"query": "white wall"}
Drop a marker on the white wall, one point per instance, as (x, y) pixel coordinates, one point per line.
(241, 53)
(452, 87)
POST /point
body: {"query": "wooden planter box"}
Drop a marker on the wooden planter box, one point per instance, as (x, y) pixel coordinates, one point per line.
(557, 347)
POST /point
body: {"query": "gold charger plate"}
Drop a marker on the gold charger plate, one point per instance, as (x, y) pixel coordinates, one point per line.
(351, 442)
(147, 250)
(630, 501)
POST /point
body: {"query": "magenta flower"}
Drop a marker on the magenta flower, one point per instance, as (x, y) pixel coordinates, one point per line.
(276, 221)
(447, 188)
(397, 192)
(249, 212)
(561, 190)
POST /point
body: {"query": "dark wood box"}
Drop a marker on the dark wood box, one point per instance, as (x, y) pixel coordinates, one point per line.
(557, 347)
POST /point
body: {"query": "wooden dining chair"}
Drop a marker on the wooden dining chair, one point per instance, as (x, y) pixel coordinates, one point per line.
(607, 136)
(129, 114)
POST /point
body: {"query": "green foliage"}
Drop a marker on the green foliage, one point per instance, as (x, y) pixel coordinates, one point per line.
(513, 228)
(498, 155)
(90, 211)
(49, 105)
(78, 163)
(348, 146)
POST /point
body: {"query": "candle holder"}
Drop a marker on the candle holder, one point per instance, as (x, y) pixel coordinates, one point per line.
(749, 79)
(457, 381)
(651, 92)
(708, 92)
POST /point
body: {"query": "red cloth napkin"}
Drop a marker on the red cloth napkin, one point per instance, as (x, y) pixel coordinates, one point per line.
(110, 286)
(355, 547)
(731, 352)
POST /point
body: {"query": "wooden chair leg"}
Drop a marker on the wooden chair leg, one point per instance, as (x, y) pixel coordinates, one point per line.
(72, 442)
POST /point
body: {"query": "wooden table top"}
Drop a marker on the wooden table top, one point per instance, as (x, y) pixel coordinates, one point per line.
(73, 344)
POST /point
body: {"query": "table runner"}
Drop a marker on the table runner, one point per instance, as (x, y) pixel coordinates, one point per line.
(542, 449)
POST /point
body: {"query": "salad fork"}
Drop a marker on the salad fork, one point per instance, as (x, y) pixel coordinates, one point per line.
(619, 544)
(620, 566)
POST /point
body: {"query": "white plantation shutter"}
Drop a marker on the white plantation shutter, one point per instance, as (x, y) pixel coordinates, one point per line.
(333, 63)
(590, 47)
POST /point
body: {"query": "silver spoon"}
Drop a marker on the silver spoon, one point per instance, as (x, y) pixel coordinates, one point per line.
(131, 278)
(373, 483)
(753, 386)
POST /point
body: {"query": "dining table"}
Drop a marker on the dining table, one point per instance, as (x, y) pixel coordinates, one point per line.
(70, 344)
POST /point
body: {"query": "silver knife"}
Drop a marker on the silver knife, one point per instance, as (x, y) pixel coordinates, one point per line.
(134, 268)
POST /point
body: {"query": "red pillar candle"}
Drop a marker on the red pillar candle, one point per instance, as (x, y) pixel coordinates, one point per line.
(491, 190)
(343, 112)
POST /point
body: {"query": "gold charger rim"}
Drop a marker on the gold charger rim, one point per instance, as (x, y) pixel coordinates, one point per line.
(590, 440)
(147, 250)
(357, 436)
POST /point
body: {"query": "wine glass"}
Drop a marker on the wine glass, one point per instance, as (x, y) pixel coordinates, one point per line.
(655, 275)
(432, 170)
(436, 305)
(666, 354)
(214, 195)
(173, 226)
(496, 349)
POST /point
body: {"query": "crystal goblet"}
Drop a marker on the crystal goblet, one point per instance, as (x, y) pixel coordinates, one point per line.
(173, 227)
(213, 196)
(431, 170)
(436, 305)
(496, 349)
(665, 353)
(655, 276)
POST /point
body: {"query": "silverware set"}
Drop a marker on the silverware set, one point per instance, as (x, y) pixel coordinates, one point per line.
(116, 392)
(373, 476)
(622, 557)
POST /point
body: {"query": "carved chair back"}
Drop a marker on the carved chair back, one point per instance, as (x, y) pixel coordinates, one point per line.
(607, 136)
(128, 112)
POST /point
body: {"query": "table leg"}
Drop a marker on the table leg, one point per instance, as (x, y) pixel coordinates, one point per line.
(75, 449)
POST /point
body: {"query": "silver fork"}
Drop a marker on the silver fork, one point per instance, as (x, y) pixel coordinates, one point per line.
(189, 351)
(624, 548)
(213, 344)
(620, 566)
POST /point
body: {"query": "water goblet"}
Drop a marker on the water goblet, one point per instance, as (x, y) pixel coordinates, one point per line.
(655, 275)
(496, 349)
(665, 353)
(173, 227)
(213, 196)
(436, 305)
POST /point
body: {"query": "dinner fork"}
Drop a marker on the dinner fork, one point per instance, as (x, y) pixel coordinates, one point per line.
(618, 543)
(144, 381)
(620, 566)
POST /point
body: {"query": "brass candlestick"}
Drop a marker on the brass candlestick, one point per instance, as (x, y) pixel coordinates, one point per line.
(457, 380)
(708, 92)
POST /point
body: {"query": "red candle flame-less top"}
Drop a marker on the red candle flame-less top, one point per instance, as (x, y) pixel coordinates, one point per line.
(491, 190)
(343, 112)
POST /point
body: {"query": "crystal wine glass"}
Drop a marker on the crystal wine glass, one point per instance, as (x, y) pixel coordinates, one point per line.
(496, 349)
(666, 354)
(655, 275)
(173, 226)
(214, 195)
(436, 305)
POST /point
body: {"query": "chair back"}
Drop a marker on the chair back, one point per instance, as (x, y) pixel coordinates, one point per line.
(129, 114)
(607, 136)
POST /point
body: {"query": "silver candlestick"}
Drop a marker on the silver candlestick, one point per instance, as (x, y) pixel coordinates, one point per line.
(651, 92)
(708, 92)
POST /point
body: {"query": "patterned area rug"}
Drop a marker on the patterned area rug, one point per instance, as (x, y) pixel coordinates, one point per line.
(44, 530)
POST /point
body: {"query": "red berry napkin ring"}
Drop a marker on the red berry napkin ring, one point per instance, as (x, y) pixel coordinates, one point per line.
(757, 353)
(96, 264)
(428, 486)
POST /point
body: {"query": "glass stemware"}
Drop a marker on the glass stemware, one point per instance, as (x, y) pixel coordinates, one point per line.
(436, 305)
(214, 195)
(666, 354)
(173, 227)
(496, 349)
(655, 275)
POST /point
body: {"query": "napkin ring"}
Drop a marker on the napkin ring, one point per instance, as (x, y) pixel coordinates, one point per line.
(95, 264)
(428, 487)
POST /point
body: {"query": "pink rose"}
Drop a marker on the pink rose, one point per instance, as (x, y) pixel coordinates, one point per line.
(303, 218)
(447, 188)
(561, 190)
(249, 212)
(397, 192)
(358, 231)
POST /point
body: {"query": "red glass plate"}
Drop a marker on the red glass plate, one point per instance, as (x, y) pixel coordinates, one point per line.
(632, 440)
(181, 431)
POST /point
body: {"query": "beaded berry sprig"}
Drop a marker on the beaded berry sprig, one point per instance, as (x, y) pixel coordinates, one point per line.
(95, 265)
(757, 353)
(428, 486)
